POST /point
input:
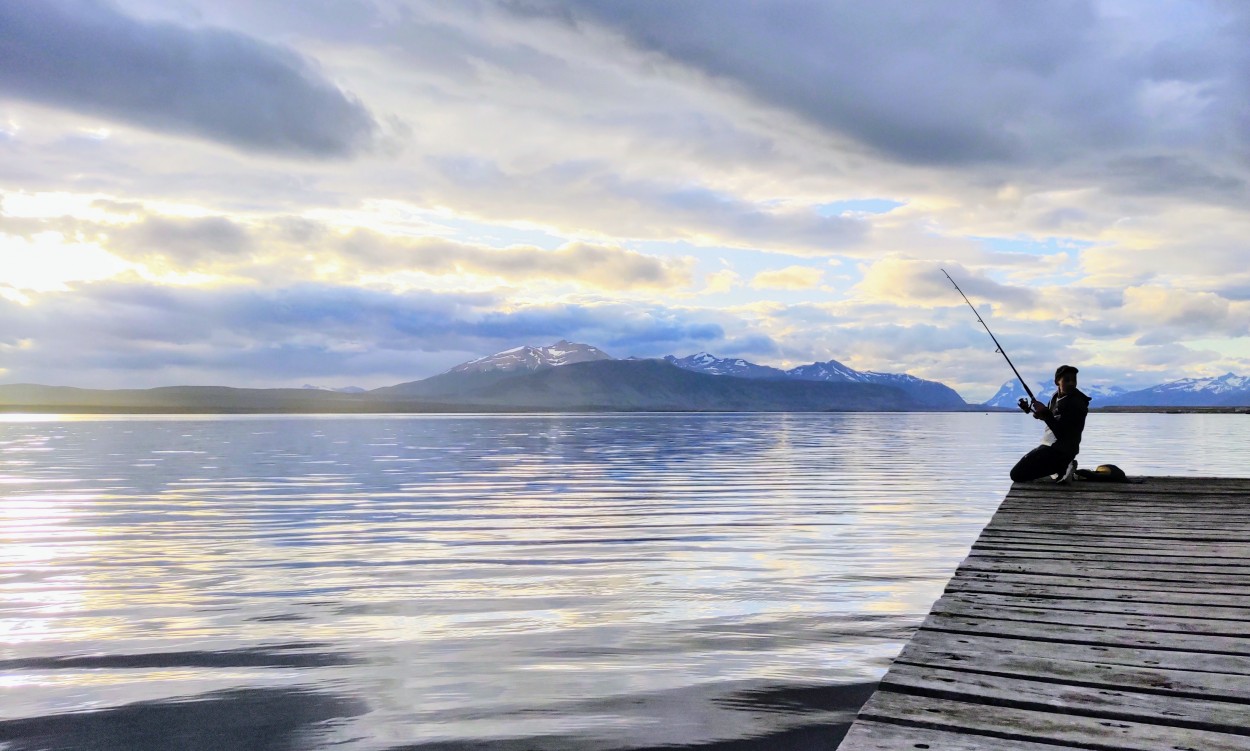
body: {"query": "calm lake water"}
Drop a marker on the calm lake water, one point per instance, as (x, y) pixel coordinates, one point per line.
(494, 582)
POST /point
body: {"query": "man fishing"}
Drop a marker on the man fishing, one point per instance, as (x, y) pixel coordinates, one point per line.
(1065, 421)
(1064, 418)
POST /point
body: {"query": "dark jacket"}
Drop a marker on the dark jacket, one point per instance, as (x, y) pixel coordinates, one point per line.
(1067, 421)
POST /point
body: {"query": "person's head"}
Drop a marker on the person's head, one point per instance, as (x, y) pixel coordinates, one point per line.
(1065, 379)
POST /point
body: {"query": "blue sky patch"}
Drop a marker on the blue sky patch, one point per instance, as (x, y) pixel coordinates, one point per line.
(1022, 244)
(858, 206)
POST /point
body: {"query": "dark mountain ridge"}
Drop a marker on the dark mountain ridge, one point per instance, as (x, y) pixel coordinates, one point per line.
(929, 393)
(629, 385)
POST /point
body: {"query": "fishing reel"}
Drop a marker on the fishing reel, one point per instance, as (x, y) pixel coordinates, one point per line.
(1024, 405)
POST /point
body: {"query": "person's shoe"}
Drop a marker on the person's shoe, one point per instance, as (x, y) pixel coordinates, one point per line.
(1068, 473)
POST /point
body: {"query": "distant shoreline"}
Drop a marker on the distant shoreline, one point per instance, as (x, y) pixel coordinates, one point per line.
(383, 409)
(442, 409)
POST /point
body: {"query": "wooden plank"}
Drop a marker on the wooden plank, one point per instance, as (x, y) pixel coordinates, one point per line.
(1095, 590)
(1110, 492)
(1153, 515)
(1062, 497)
(1053, 669)
(973, 648)
(1079, 634)
(1158, 485)
(1121, 546)
(1210, 552)
(1233, 512)
(1119, 533)
(1113, 533)
(1132, 490)
(1132, 523)
(1230, 503)
(1203, 550)
(1197, 504)
(1042, 726)
(1222, 529)
(1142, 516)
(882, 736)
(1164, 626)
(1173, 480)
(1105, 703)
(1199, 575)
(1127, 580)
(1233, 566)
(1238, 613)
(1226, 501)
(1068, 498)
(1125, 490)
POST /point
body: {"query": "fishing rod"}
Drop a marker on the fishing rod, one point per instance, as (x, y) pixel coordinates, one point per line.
(996, 344)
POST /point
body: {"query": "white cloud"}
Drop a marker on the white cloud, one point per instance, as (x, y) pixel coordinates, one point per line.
(791, 277)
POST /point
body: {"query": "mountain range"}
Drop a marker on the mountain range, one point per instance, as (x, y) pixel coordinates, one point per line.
(568, 376)
(1228, 390)
(562, 376)
(929, 393)
(1011, 392)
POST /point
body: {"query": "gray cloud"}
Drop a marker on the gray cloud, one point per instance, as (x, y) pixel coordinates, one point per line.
(87, 56)
(593, 196)
(1166, 174)
(599, 265)
(217, 244)
(188, 241)
(989, 81)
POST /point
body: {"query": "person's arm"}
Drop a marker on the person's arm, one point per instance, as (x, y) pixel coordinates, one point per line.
(1065, 423)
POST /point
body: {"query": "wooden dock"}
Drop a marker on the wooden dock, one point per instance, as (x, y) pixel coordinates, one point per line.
(1092, 616)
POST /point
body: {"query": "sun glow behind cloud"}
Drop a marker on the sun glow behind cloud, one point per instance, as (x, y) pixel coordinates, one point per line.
(49, 261)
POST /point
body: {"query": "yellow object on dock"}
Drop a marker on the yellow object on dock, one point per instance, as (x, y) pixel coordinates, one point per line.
(1090, 615)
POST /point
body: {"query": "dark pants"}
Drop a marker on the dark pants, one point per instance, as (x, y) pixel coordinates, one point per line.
(1040, 462)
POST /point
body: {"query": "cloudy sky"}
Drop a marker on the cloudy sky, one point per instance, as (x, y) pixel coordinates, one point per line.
(364, 192)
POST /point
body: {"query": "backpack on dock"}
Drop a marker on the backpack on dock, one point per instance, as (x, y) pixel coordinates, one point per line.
(1103, 473)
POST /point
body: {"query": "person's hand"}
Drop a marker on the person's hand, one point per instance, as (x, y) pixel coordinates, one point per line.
(1040, 411)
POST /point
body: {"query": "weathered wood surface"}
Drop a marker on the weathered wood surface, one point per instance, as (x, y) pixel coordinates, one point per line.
(1093, 616)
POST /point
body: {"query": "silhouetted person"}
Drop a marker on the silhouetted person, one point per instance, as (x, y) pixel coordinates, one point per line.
(1065, 420)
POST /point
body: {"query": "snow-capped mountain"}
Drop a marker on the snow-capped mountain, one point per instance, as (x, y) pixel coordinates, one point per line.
(1011, 392)
(532, 358)
(1007, 396)
(929, 393)
(712, 365)
(1228, 390)
(830, 370)
(1101, 394)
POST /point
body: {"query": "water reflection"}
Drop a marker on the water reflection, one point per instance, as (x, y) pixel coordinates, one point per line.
(585, 581)
(276, 719)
